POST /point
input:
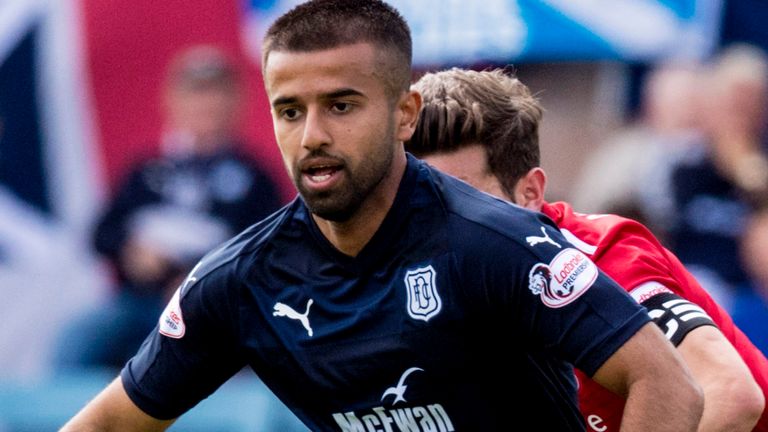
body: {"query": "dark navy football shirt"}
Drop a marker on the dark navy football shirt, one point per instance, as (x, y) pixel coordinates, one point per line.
(463, 312)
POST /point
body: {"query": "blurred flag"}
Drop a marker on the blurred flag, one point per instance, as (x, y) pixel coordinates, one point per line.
(21, 169)
(48, 185)
(460, 31)
(46, 137)
(80, 102)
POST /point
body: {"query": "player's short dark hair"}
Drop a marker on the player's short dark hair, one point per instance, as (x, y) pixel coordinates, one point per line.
(325, 24)
(491, 108)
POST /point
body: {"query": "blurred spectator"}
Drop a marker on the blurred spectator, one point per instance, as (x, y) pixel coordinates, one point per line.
(172, 209)
(716, 186)
(750, 304)
(735, 117)
(629, 174)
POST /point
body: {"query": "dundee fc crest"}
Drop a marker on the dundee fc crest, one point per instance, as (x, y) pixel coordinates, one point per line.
(423, 299)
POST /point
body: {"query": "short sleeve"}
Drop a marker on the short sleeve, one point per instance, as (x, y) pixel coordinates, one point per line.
(191, 352)
(554, 298)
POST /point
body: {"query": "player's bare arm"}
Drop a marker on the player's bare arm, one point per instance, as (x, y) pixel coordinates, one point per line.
(732, 399)
(659, 384)
(113, 411)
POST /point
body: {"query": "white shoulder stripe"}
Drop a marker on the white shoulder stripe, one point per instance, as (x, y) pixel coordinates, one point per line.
(579, 243)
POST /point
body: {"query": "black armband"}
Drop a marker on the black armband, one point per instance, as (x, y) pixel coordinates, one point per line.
(676, 316)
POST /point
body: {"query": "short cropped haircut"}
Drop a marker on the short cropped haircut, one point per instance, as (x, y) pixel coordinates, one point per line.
(490, 108)
(325, 24)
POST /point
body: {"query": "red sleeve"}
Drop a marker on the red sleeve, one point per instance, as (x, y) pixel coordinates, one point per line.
(624, 249)
(630, 254)
(632, 257)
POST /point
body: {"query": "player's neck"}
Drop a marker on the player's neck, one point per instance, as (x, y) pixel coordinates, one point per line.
(351, 236)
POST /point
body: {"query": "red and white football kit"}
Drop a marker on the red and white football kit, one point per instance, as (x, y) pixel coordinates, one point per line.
(627, 252)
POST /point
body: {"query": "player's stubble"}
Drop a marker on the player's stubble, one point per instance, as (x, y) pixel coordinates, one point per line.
(340, 203)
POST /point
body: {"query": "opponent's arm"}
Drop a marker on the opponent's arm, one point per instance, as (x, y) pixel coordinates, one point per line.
(732, 399)
(113, 411)
(661, 393)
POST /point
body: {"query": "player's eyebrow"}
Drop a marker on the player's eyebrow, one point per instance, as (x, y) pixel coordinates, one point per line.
(340, 93)
(284, 100)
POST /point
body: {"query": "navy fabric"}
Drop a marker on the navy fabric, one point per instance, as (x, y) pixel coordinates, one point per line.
(22, 168)
(381, 353)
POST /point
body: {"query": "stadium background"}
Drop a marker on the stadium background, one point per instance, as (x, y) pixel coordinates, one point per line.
(79, 104)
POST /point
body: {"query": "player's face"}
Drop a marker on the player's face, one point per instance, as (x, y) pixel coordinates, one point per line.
(334, 125)
(470, 164)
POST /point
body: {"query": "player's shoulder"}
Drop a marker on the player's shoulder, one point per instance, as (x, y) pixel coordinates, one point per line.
(471, 211)
(564, 215)
(595, 232)
(624, 249)
(231, 258)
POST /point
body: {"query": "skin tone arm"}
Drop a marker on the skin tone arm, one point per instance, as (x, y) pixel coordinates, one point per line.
(113, 411)
(732, 399)
(650, 373)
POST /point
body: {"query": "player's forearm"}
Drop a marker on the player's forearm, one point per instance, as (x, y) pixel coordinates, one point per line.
(113, 411)
(728, 417)
(730, 405)
(663, 405)
(661, 393)
(733, 401)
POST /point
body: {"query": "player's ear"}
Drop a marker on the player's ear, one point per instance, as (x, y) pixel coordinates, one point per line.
(529, 190)
(407, 114)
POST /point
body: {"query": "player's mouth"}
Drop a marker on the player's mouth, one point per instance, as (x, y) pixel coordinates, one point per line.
(321, 174)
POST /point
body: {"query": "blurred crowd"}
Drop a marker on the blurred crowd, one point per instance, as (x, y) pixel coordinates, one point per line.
(171, 209)
(692, 165)
(694, 168)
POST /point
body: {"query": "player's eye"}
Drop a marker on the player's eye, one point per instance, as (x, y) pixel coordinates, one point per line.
(289, 113)
(341, 107)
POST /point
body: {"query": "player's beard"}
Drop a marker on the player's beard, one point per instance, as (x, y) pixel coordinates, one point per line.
(342, 202)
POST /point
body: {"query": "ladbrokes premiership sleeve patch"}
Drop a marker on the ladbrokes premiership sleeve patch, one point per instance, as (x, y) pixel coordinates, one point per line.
(567, 277)
(171, 321)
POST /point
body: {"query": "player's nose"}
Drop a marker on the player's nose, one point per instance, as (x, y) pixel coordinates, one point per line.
(316, 133)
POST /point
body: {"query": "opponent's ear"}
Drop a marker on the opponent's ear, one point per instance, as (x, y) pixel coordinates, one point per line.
(407, 114)
(529, 190)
